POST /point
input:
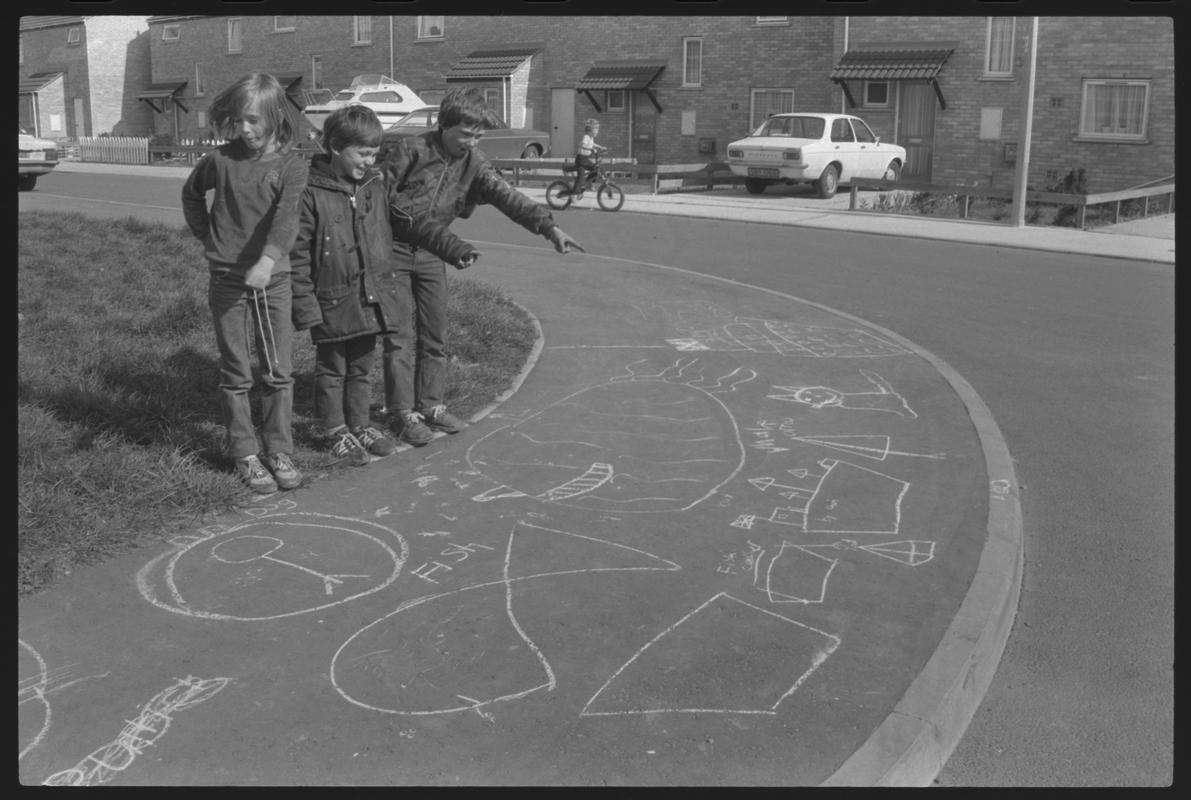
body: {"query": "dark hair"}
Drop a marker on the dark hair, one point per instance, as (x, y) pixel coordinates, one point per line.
(352, 126)
(275, 108)
(464, 105)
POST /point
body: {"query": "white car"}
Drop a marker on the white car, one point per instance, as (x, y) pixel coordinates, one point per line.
(34, 157)
(823, 149)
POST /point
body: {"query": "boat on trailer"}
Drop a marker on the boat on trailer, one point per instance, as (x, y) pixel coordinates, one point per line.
(390, 99)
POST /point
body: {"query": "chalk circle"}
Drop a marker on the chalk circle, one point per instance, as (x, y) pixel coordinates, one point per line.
(33, 710)
(278, 565)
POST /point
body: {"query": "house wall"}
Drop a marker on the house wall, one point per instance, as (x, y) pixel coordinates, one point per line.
(118, 65)
(46, 50)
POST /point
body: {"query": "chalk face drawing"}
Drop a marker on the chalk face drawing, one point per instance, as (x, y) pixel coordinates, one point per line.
(644, 442)
(465, 649)
(709, 661)
(101, 765)
(276, 565)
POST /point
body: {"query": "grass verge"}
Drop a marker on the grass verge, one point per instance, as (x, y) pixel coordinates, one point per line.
(119, 436)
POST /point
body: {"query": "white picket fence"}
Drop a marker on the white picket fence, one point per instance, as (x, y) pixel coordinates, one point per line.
(114, 149)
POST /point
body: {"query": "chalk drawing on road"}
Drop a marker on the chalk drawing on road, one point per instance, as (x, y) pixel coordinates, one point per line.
(274, 566)
(876, 446)
(725, 656)
(912, 552)
(844, 498)
(642, 442)
(140, 733)
(707, 327)
(467, 644)
(883, 398)
(31, 692)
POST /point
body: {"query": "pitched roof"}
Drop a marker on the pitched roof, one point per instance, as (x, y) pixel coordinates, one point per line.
(491, 64)
(893, 61)
(621, 75)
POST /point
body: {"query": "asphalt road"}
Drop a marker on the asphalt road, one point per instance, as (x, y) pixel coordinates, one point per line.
(1074, 357)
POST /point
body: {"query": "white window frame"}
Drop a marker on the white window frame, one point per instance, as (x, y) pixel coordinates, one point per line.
(689, 79)
(279, 26)
(888, 92)
(1004, 70)
(236, 25)
(316, 72)
(361, 33)
(171, 28)
(74, 34)
(621, 103)
(1116, 134)
(754, 123)
(425, 22)
(771, 21)
(21, 49)
(199, 89)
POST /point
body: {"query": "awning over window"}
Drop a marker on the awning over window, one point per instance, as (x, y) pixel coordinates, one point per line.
(159, 92)
(893, 61)
(35, 83)
(621, 75)
(491, 65)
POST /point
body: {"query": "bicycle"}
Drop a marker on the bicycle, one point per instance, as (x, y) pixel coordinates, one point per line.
(560, 194)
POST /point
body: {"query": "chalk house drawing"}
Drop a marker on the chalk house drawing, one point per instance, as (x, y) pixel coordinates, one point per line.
(883, 398)
(142, 732)
(423, 659)
(320, 560)
(844, 498)
(724, 657)
(640, 443)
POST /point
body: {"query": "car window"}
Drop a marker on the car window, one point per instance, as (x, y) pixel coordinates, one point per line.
(841, 131)
(863, 132)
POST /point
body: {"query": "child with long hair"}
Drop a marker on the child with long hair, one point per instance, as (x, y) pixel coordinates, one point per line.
(256, 180)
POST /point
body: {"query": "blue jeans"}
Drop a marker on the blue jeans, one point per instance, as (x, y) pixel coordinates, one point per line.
(414, 358)
(343, 382)
(236, 322)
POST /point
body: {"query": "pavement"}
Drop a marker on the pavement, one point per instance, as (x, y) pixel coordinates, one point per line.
(712, 535)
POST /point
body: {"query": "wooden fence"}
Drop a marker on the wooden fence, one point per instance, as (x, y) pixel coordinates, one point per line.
(114, 149)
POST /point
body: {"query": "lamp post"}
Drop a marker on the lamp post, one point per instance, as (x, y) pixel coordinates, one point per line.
(1027, 124)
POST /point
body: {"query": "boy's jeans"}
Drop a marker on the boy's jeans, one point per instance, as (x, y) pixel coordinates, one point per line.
(343, 382)
(413, 358)
(236, 321)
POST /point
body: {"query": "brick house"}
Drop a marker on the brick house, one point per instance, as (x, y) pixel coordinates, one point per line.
(678, 89)
(80, 76)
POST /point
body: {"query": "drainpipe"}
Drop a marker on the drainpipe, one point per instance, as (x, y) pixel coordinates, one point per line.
(843, 101)
(1027, 123)
(391, 65)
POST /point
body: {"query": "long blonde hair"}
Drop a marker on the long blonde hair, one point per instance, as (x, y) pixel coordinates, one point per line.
(274, 107)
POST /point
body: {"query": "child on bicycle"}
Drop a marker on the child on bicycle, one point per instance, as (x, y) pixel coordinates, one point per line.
(585, 170)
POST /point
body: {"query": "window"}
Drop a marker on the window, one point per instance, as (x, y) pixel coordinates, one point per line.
(171, 32)
(284, 22)
(235, 34)
(773, 20)
(614, 100)
(430, 27)
(692, 62)
(74, 35)
(202, 120)
(769, 101)
(1114, 109)
(492, 98)
(841, 131)
(998, 59)
(387, 96)
(863, 132)
(876, 93)
(361, 30)
(199, 89)
(316, 72)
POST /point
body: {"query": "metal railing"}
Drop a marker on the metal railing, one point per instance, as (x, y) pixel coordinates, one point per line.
(659, 177)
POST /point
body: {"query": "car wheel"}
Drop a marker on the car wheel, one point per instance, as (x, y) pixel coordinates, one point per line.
(532, 151)
(828, 182)
(25, 183)
(892, 172)
(754, 185)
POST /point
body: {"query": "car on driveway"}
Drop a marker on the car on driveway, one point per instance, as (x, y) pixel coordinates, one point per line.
(499, 141)
(34, 157)
(822, 149)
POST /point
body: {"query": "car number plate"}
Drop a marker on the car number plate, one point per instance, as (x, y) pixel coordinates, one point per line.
(763, 172)
(36, 155)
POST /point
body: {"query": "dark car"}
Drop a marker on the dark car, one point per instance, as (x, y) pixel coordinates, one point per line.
(500, 141)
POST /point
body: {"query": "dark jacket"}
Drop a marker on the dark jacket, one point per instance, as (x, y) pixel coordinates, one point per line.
(341, 263)
(426, 186)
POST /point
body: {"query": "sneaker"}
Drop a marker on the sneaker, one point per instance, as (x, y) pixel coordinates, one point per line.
(414, 430)
(253, 472)
(284, 471)
(343, 445)
(439, 419)
(374, 441)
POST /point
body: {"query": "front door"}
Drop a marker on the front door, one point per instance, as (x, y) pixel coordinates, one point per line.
(916, 129)
(562, 123)
(645, 124)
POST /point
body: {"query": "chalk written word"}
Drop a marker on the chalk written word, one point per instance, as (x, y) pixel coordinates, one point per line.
(140, 733)
(454, 552)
